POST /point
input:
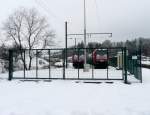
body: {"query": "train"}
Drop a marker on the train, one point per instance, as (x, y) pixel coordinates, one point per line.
(98, 59)
(78, 59)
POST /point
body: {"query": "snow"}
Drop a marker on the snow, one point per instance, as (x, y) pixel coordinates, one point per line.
(146, 62)
(41, 63)
(60, 97)
(71, 73)
(59, 64)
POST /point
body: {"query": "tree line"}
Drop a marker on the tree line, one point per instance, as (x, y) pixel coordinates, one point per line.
(131, 45)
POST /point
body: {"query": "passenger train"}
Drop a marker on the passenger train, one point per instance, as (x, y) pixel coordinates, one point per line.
(98, 58)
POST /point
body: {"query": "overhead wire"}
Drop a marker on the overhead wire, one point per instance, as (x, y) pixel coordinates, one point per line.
(97, 13)
(50, 14)
(44, 6)
(48, 8)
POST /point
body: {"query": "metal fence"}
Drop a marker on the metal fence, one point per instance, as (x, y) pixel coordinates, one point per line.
(58, 64)
(134, 65)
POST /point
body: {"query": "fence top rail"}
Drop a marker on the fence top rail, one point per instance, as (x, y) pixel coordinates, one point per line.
(70, 48)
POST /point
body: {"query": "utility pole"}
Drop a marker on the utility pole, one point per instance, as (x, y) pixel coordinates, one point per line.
(66, 34)
(75, 42)
(85, 34)
(85, 57)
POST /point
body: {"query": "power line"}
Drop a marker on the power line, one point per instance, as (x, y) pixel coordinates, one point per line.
(44, 6)
(97, 12)
(48, 9)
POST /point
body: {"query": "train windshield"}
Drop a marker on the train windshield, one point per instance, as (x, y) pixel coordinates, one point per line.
(101, 52)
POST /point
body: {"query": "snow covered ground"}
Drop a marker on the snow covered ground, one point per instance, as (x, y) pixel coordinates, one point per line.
(146, 62)
(71, 98)
(71, 73)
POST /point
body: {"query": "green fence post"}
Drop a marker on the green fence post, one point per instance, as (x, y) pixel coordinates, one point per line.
(10, 65)
(63, 56)
(107, 63)
(125, 65)
(140, 59)
(122, 63)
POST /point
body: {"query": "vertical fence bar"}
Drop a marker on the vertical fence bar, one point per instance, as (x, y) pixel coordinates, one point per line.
(78, 65)
(136, 66)
(36, 65)
(125, 65)
(10, 65)
(92, 65)
(49, 53)
(24, 63)
(107, 63)
(122, 63)
(132, 66)
(64, 56)
(140, 59)
(66, 39)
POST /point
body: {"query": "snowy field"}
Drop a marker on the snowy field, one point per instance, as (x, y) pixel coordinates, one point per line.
(70, 98)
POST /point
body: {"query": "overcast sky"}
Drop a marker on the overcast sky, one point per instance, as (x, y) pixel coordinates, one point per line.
(126, 19)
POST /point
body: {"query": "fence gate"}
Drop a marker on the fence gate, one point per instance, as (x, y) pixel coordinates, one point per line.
(102, 64)
(36, 64)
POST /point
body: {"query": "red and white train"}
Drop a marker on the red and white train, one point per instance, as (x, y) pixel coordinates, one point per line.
(98, 58)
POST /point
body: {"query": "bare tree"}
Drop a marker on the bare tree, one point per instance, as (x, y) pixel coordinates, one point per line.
(28, 30)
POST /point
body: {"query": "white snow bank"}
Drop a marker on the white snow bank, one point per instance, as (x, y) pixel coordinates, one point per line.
(70, 98)
(35, 62)
(146, 62)
(59, 64)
